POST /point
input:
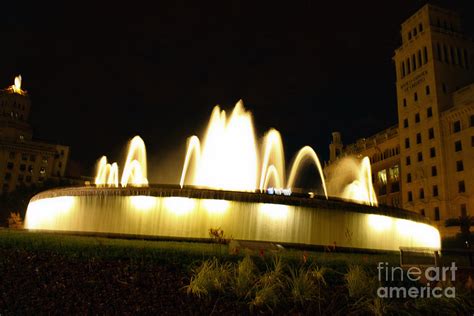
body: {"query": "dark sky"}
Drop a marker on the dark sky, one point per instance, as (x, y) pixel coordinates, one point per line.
(100, 74)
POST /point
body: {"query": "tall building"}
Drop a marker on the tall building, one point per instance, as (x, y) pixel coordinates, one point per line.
(434, 140)
(24, 161)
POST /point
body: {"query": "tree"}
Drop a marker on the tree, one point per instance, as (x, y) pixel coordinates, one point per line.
(464, 222)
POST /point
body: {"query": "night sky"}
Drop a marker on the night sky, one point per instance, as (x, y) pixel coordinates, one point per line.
(100, 74)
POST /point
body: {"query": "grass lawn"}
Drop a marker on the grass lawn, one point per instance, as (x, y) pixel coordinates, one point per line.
(72, 274)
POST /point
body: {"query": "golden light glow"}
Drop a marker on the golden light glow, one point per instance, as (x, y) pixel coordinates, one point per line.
(272, 173)
(428, 236)
(273, 164)
(16, 87)
(186, 217)
(45, 212)
(179, 205)
(380, 223)
(134, 173)
(303, 154)
(135, 170)
(275, 211)
(406, 227)
(351, 179)
(216, 206)
(228, 156)
(194, 147)
(107, 174)
(143, 202)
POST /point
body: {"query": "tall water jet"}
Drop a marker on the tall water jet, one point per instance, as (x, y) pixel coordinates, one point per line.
(113, 179)
(272, 153)
(302, 155)
(107, 174)
(228, 155)
(193, 150)
(135, 169)
(350, 178)
(134, 172)
(272, 173)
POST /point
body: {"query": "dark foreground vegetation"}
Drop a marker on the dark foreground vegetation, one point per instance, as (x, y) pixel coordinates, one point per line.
(45, 273)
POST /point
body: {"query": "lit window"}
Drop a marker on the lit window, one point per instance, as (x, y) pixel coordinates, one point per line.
(394, 173)
(382, 176)
(42, 170)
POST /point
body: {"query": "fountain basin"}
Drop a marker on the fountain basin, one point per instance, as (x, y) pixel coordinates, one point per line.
(169, 211)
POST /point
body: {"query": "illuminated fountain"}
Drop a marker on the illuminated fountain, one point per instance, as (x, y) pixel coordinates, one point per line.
(228, 182)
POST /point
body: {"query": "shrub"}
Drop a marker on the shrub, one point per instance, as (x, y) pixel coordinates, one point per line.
(269, 286)
(359, 283)
(208, 277)
(244, 277)
(301, 286)
(217, 235)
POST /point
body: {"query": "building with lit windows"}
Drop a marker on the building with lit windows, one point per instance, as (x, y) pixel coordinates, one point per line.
(24, 161)
(432, 148)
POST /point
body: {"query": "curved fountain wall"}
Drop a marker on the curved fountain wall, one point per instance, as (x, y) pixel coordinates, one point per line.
(190, 213)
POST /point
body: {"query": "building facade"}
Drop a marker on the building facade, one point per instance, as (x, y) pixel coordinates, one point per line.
(435, 132)
(24, 161)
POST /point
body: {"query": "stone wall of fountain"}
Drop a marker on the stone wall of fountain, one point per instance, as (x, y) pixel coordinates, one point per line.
(190, 213)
